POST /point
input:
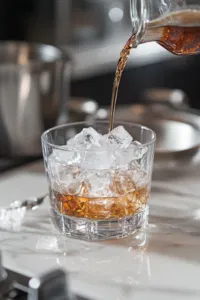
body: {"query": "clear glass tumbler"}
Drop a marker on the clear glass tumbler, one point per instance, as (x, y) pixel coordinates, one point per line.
(101, 192)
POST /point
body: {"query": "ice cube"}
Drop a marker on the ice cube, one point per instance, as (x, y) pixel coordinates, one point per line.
(47, 243)
(123, 157)
(139, 149)
(12, 219)
(97, 160)
(139, 175)
(85, 140)
(65, 156)
(119, 137)
(69, 180)
(99, 184)
(134, 165)
(123, 182)
(59, 161)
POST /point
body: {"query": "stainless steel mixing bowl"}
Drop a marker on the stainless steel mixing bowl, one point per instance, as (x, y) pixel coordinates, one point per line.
(34, 83)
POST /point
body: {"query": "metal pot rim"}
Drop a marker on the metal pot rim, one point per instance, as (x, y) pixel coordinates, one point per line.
(44, 53)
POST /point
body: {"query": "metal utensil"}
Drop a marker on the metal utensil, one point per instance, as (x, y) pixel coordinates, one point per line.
(29, 204)
(11, 217)
(34, 83)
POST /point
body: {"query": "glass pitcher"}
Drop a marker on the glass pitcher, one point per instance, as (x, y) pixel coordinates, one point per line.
(174, 24)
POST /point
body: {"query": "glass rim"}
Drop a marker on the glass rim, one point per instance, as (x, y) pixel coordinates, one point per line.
(89, 123)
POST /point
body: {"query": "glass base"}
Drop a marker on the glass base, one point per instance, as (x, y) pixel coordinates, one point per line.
(95, 230)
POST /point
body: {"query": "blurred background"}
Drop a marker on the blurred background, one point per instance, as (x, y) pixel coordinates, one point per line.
(96, 32)
(93, 32)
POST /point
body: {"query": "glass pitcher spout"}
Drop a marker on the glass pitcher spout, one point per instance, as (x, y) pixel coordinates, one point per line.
(174, 24)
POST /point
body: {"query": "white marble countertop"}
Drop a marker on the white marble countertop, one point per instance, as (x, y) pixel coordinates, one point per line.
(163, 263)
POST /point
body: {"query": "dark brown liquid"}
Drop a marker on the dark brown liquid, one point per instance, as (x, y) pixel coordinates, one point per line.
(178, 32)
(124, 55)
(183, 38)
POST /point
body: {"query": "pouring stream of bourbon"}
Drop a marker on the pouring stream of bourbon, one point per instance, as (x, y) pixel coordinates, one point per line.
(124, 55)
(178, 32)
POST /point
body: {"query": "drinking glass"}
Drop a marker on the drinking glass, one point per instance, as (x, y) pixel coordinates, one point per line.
(103, 193)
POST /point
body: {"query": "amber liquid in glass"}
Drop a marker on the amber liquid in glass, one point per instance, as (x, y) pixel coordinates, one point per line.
(102, 208)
